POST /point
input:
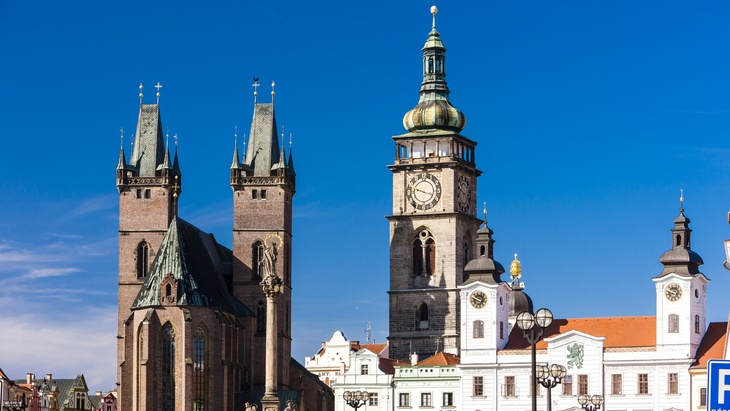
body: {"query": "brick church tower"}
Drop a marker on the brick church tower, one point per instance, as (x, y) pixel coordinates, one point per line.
(148, 189)
(433, 222)
(263, 186)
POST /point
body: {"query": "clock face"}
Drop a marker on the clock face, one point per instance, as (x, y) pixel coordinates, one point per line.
(424, 191)
(478, 299)
(673, 292)
(463, 194)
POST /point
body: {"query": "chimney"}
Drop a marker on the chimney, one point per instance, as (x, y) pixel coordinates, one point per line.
(49, 377)
(414, 359)
(29, 377)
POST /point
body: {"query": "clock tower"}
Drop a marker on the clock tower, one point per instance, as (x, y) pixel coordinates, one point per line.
(680, 295)
(433, 221)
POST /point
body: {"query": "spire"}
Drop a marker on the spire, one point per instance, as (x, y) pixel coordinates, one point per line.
(175, 163)
(434, 110)
(290, 163)
(166, 162)
(680, 259)
(122, 164)
(149, 149)
(263, 152)
(235, 163)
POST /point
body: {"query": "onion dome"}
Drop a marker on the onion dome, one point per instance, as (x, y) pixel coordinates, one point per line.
(680, 259)
(434, 110)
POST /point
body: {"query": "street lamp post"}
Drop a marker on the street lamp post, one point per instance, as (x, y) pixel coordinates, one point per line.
(550, 377)
(590, 403)
(526, 322)
(14, 405)
(356, 399)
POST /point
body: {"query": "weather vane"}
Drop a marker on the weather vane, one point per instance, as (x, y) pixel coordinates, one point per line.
(255, 88)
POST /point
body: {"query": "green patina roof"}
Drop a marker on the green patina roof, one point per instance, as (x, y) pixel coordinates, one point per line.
(198, 263)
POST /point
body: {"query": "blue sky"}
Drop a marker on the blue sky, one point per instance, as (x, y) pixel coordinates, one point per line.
(590, 116)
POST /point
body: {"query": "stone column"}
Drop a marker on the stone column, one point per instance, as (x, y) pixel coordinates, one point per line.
(271, 285)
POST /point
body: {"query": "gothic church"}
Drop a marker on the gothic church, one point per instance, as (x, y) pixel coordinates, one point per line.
(192, 313)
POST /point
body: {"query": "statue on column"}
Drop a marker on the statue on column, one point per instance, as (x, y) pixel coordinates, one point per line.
(271, 283)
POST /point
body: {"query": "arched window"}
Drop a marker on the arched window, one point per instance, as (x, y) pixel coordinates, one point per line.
(168, 290)
(679, 240)
(168, 368)
(200, 392)
(260, 317)
(697, 324)
(422, 317)
(424, 254)
(673, 324)
(143, 252)
(478, 329)
(257, 258)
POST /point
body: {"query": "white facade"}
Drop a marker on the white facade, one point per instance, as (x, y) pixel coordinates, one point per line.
(427, 387)
(365, 374)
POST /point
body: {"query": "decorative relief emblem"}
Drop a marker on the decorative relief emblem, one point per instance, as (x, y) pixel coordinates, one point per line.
(575, 356)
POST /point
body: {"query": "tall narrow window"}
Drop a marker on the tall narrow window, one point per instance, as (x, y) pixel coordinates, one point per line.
(168, 368)
(673, 323)
(568, 385)
(404, 399)
(425, 399)
(509, 386)
(424, 254)
(422, 317)
(617, 384)
(257, 258)
(448, 399)
(478, 388)
(260, 317)
(643, 384)
(582, 384)
(673, 383)
(501, 329)
(199, 370)
(478, 329)
(143, 252)
(697, 324)
(703, 396)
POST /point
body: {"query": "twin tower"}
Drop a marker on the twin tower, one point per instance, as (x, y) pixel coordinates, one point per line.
(192, 313)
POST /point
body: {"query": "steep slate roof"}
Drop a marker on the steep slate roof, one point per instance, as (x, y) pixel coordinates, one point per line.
(618, 331)
(440, 359)
(198, 263)
(263, 143)
(149, 148)
(712, 345)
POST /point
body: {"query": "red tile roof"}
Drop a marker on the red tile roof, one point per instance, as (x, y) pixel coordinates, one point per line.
(387, 365)
(440, 358)
(375, 348)
(618, 331)
(713, 344)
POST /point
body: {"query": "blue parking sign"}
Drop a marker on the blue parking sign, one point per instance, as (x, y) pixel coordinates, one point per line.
(718, 385)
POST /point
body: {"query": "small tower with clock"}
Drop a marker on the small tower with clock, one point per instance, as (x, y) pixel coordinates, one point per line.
(484, 305)
(433, 221)
(680, 294)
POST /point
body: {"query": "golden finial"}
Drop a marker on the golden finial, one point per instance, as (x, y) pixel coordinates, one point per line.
(515, 269)
(158, 87)
(255, 86)
(140, 93)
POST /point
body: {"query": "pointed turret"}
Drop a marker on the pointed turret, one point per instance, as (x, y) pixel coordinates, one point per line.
(290, 163)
